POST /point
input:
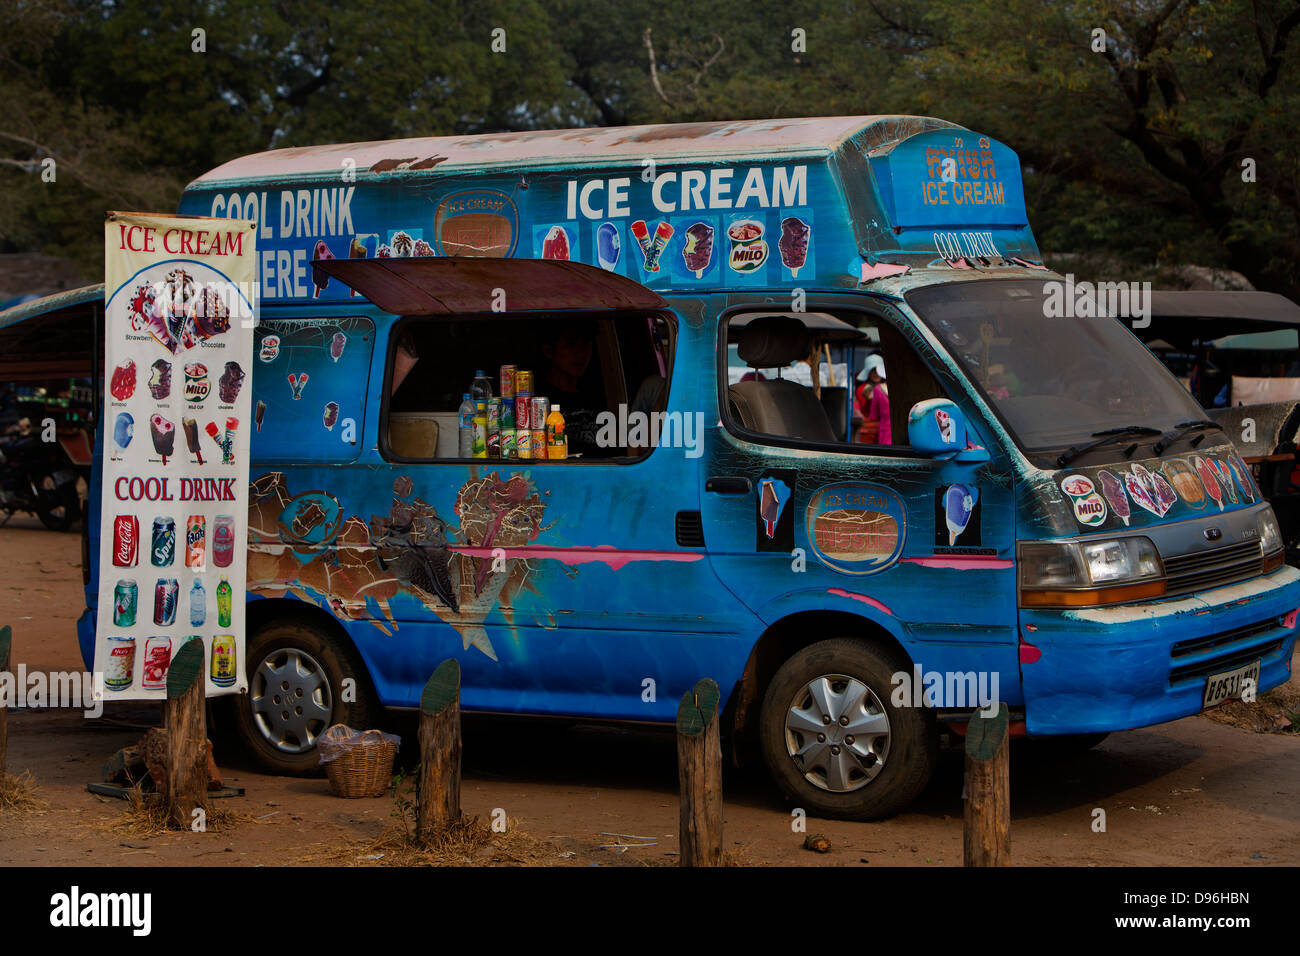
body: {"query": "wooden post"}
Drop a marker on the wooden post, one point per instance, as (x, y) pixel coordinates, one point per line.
(438, 800)
(6, 641)
(987, 833)
(699, 768)
(185, 717)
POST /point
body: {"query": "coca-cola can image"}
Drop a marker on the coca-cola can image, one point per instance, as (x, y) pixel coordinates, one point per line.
(119, 669)
(223, 660)
(126, 541)
(157, 658)
(166, 595)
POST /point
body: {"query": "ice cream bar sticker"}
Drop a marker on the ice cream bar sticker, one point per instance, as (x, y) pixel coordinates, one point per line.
(1142, 489)
(1206, 473)
(608, 246)
(793, 244)
(1112, 489)
(556, 244)
(296, 383)
(944, 421)
(697, 249)
(1089, 508)
(319, 278)
(958, 506)
(337, 344)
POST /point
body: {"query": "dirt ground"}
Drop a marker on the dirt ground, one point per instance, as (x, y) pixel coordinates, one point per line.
(1196, 791)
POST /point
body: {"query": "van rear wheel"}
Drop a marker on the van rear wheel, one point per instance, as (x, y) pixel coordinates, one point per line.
(832, 739)
(296, 685)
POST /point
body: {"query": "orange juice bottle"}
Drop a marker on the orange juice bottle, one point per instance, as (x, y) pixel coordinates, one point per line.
(557, 443)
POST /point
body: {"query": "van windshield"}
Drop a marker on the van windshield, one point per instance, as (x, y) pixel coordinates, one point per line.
(1054, 381)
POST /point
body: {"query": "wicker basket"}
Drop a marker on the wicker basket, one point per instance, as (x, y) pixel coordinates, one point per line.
(365, 769)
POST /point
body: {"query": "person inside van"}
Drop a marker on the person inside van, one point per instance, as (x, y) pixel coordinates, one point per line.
(873, 403)
(567, 349)
(404, 359)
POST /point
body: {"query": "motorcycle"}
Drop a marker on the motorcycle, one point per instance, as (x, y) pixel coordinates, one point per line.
(41, 478)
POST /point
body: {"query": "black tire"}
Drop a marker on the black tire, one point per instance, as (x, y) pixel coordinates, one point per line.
(258, 726)
(913, 741)
(59, 508)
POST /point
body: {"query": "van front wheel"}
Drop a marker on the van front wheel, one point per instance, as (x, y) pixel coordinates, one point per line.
(296, 689)
(833, 740)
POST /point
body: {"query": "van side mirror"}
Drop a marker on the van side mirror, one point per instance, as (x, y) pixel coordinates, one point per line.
(936, 427)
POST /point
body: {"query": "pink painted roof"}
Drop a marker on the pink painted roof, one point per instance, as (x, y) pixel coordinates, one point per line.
(735, 139)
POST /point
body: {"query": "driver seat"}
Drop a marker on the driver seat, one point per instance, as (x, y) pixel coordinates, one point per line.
(777, 407)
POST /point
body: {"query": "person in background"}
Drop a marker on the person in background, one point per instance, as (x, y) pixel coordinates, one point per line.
(568, 348)
(404, 359)
(872, 403)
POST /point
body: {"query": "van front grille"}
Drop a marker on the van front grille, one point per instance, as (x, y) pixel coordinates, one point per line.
(1213, 568)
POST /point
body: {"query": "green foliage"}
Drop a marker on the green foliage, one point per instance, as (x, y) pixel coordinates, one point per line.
(1134, 153)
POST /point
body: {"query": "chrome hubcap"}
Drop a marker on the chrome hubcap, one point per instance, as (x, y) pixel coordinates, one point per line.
(291, 700)
(837, 733)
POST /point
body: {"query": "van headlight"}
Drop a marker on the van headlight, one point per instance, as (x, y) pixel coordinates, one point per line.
(1270, 540)
(1089, 573)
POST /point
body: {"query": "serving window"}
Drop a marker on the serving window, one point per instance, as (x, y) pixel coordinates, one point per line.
(600, 368)
(817, 379)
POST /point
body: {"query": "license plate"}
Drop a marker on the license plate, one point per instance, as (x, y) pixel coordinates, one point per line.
(1229, 684)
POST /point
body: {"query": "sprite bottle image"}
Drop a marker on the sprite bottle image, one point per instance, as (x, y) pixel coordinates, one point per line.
(223, 603)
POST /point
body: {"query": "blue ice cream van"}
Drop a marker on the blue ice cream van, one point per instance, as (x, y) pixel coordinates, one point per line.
(831, 442)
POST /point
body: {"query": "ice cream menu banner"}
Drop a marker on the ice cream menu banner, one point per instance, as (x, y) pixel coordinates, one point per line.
(180, 308)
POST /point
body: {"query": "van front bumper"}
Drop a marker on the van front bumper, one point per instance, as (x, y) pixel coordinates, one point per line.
(1117, 668)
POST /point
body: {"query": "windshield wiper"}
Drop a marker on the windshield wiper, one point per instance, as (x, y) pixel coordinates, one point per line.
(1182, 429)
(1104, 437)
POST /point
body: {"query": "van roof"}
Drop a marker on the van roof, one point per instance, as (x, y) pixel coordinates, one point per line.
(771, 138)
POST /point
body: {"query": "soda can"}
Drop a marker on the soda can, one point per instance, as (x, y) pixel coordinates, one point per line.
(523, 443)
(223, 540)
(523, 408)
(125, 597)
(157, 658)
(196, 533)
(539, 442)
(163, 547)
(508, 414)
(509, 443)
(119, 669)
(523, 382)
(508, 373)
(126, 541)
(166, 595)
(537, 415)
(223, 660)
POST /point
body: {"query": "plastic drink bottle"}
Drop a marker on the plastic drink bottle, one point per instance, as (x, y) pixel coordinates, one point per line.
(223, 603)
(481, 389)
(557, 443)
(466, 429)
(198, 604)
(480, 429)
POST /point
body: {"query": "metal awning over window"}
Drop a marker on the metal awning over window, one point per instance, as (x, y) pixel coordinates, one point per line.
(460, 284)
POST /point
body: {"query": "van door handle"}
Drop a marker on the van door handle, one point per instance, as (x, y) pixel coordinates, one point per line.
(728, 485)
